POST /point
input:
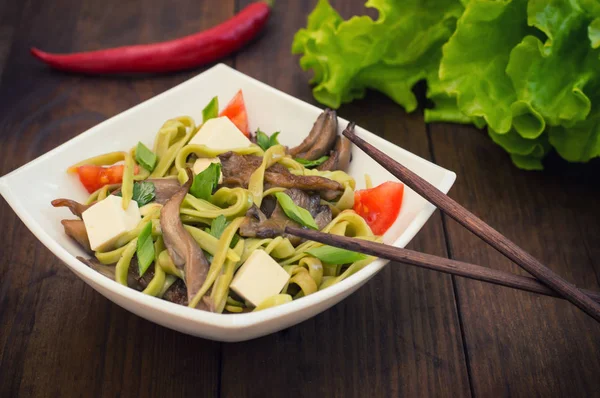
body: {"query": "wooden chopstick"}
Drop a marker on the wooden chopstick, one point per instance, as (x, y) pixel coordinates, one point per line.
(432, 262)
(480, 228)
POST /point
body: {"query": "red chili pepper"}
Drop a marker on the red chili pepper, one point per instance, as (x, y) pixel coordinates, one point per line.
(183, 53)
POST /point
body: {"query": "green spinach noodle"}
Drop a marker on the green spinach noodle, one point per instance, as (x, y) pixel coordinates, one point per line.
(198, 228)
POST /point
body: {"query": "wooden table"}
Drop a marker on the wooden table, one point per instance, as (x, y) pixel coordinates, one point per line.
(408, 332)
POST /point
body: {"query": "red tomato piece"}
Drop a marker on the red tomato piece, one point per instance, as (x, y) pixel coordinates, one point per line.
(95, 177)
(379, 206)
(236, 112)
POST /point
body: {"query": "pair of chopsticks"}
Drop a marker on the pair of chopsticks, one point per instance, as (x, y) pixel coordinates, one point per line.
(546, 281)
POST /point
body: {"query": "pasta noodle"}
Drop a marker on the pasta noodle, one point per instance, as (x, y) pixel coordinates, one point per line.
(226, 253)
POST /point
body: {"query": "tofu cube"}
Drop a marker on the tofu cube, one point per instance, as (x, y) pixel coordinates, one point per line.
(220, 133)
(259, 278)
(106, 220)
(202, 164)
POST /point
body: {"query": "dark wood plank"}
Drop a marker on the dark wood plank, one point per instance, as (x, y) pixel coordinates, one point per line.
(518, 343)
(57, 336)
(489, 235)
(8, 23)
(397, 336)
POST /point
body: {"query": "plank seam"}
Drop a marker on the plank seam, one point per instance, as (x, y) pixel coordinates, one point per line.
(453, 278)
(588, 252)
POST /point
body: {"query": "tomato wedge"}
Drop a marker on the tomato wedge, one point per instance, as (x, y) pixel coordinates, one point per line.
(236, 112)
(95, 177)
(379, 206)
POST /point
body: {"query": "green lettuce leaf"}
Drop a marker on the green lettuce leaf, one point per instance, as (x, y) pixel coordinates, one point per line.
(549, 77)
(336, 51)
(416, 27)
(445, 105)
(525, 153)
(475, 58)
(579, 143)
(529, 70)
(594, 33)
(348, 57)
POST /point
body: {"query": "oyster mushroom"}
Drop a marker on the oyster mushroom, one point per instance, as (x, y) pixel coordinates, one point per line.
(164, 188)
(182, 248)
(268, 225)
(339, 159)
(76, 208)
(175, 294)
(76, 230)
(237, 170)
(321, 138)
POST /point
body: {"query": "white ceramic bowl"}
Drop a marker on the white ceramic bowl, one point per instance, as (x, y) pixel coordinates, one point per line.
(30, 189)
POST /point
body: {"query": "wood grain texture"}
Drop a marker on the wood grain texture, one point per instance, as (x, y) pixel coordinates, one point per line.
(518, 343)
(11, 11)
(477, 226)
(58, 337)
(398, 335)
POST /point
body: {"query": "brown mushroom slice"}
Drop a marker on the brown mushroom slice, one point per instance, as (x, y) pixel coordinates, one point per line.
(285, 179)
(76, 230)
(330, 164)
(325, 140)
(310, 140)
(182, 248)
(339, 159)
(257, 225)
(76, 208)
(344, 153)
(320, 139)
(237, 170)
(176, 293)
(164, 188)
(109, 271)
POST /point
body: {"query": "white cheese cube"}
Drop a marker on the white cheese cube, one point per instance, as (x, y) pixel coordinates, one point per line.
(259, 278)
(220, 133)
(106, 220)
(203, 163)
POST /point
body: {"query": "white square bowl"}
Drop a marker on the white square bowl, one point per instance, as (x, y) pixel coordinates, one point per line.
(29, 190)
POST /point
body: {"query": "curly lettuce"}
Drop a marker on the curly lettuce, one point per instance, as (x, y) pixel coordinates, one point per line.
(348, 57)
(529, 70)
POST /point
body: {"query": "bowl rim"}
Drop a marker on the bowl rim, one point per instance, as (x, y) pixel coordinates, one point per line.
(224, 321)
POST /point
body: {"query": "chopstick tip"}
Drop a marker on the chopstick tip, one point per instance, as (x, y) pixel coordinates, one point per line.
(349, 131)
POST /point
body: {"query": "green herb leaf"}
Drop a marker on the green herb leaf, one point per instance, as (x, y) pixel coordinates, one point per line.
(273, 140)
(145, 157)
(144, 192)
(295, 212)
(218, 225)
(145, 248)
(205, 183)
(264, 141)
(312, 163)
(211, 110)
(334, 255)
(235, 240)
